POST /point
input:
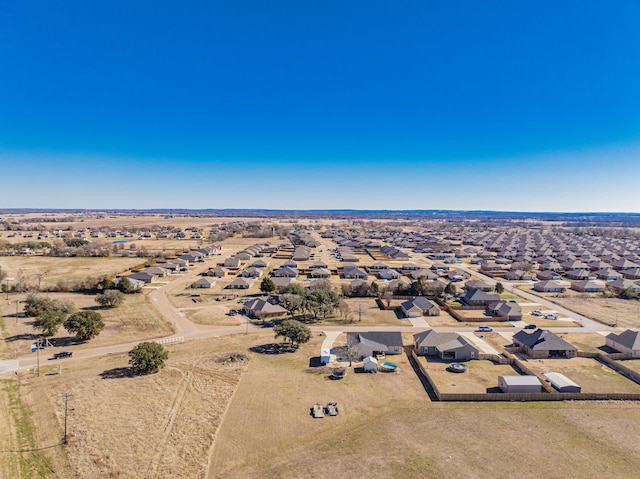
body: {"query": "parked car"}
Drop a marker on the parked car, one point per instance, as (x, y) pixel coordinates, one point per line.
(530, 326)
(550, 316)
(484, 328)
(63, 354)
(536, 312)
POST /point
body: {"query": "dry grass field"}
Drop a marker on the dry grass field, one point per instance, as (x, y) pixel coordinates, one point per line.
(624, 313)
(160, 425)
(594, 377)
(481, 376)
(55, 269)
(165, 425)
(388, 428)
(133, 320)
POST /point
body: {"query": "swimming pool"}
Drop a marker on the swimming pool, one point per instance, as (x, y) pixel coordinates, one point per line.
(388, 366)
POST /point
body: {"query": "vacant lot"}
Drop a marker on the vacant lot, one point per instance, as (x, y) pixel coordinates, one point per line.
(52, 272)
(624, 313)
(482, 375)
(594, 377)
(133, 320)
(161, 425)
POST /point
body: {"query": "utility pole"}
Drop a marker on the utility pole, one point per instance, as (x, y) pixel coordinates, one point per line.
(17, 303)
(65, 398)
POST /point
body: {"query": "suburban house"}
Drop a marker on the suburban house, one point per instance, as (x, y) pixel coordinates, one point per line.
(319, 264)
(285, 272)
(144, 276)
(261, 308)
(388, 274)
(478, 284)
(232, 263)
(549, 287)
(477, 297)
(205, 282)
(626, 342)
(548, 275)
(260, 263)
(218, 272)
(282, 281)
(354, 273)
(251, 272)
(159, 272)
(419, 306)
(320, 273)
(240, 283)
(136, 284)
(542, 343)
(622, 284)
(587, 286)
(377, 343)
(632, 273)
(510, 310)
(448, 346)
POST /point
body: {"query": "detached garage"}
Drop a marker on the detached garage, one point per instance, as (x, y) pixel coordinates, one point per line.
(519, 384)
(562, 383)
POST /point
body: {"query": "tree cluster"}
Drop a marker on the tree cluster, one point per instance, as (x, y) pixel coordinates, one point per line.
(321, 301)
(50, 314)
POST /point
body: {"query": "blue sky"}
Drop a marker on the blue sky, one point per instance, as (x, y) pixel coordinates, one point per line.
(503, 105)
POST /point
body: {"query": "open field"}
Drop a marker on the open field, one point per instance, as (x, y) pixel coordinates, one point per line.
(481, 376)
(133, 320)
(588, 342)
(389, 428)
(624, 313)
(594, 377)
(160, 425)
(54, 270)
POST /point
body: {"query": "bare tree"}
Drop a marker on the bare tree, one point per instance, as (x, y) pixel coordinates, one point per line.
(387, 296)
(360, 308)
(344, 309)
(351, 349)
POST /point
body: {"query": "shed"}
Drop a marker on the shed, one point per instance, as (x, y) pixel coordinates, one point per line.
(519, 384)
(562, 383)
(370, 364)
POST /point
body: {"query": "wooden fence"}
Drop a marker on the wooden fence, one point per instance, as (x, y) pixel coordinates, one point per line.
(549, 393)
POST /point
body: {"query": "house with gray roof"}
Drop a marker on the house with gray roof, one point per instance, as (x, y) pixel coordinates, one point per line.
(261, 308)
(587, 286)
(377, 343)
(509, 310)
(205, 282)
(626, 342)
(542, 343)
(549, 287)
(419, 306)
(285, 272)
(448, 346)
(240, 283)
(478, 297)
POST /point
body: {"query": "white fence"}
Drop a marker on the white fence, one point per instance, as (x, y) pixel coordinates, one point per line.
(175, 339)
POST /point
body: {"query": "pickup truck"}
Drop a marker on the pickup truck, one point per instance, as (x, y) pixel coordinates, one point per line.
(63, 354)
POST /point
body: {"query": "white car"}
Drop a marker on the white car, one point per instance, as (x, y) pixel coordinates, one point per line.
(536, 312)
(550, 316)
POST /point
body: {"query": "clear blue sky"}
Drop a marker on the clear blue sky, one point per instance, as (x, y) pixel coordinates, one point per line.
(315, 104)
